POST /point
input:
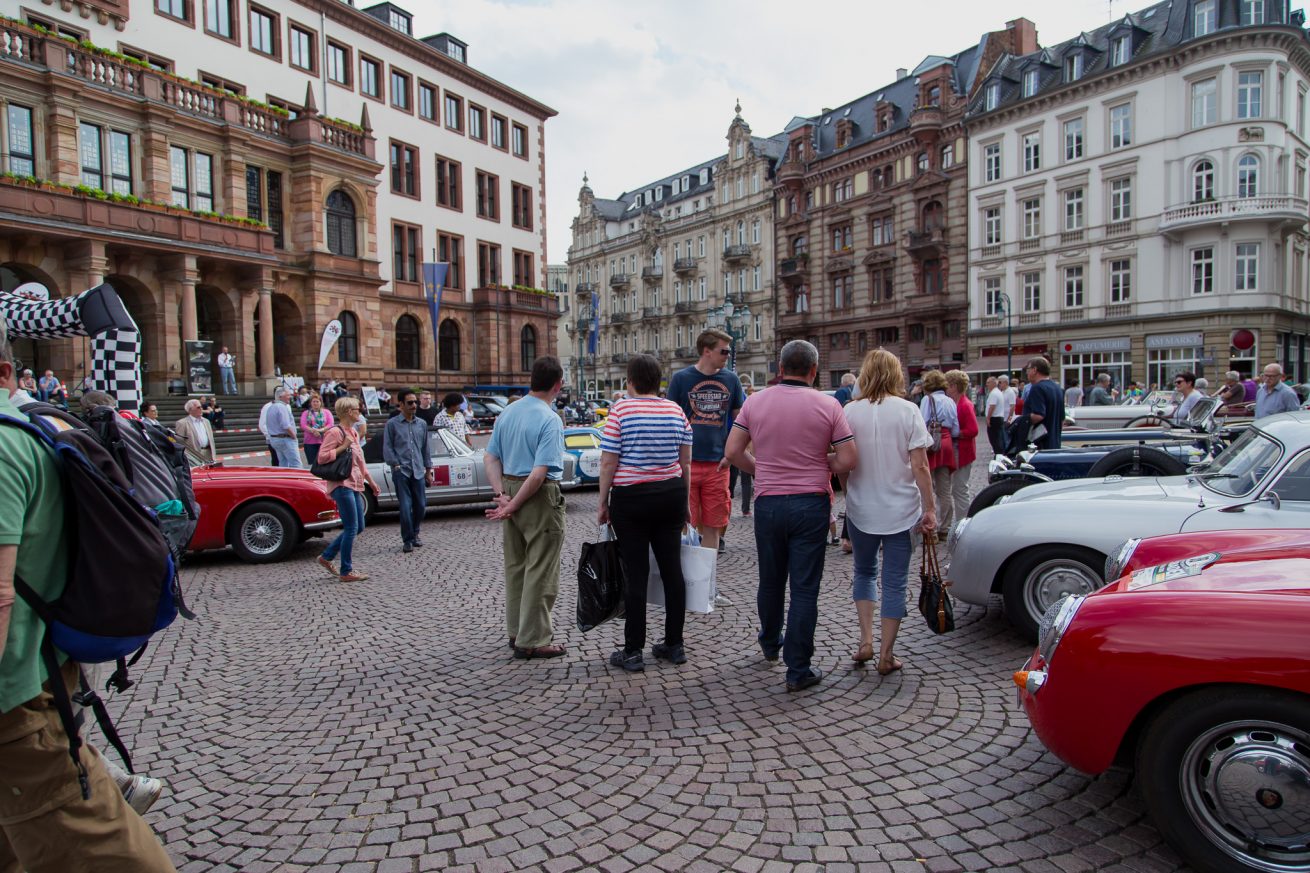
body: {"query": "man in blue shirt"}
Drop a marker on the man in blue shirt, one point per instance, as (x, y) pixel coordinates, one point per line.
(281, 426)
(1044, 403)
(1273, 396)
(406, 451)
(846, 392)
(524, 462)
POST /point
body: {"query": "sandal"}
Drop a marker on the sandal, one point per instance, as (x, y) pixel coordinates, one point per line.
(889, 665)
(539, 652)
(863, 654)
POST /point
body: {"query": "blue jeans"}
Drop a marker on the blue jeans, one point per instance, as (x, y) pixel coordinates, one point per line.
(896, 550)
(229, 380)
(350, 506)
(413, 498)
(288, 452)
(791, 537)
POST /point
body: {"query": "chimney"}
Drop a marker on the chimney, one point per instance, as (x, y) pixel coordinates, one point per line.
(901, 73)
(1023, 36)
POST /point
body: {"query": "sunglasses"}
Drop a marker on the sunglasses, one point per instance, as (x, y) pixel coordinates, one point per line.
(725, 352)
(411, 403)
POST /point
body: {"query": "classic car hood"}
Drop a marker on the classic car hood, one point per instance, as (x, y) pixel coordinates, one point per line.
(1110, 488)
(1244, 571)
(246, 474)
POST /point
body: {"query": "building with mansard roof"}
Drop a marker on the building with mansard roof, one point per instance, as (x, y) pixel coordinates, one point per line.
(1138, 197)
(246, 173)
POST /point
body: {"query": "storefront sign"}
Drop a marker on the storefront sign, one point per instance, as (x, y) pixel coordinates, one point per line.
(1114, 344)
(1174, 340)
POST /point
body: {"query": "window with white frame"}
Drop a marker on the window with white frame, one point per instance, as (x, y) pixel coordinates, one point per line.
(1248, 176)
(1030, 82)
(1121, 50)
(1246, 260)
(948, 156)
(1073, 67)
(700, 289)
(1203, 270)
(1121, 199)
(1032, 292)
(1073, 139)
(1073, 209)
(1121, 125)
(992, 226)
(1202, 181)
(1032, 218)
(992, 162)
(1204, 17)
(1073, 287)
(755, 231)
(1250, 88)
(992, 306)
(21, 152)
(1121, 280)
(991, 96)
(1205, 102)
(1300, 111)
(1252, 12)
(1032, 152)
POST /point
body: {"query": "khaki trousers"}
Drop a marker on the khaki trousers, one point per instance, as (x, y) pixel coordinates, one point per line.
(533, 538)
(45, 825)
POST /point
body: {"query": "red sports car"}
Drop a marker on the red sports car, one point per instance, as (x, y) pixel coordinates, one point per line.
(261, 512)
(1194, 668)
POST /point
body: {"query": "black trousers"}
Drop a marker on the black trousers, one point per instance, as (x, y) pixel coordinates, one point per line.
(996, 434)
(747, 488)
(272, 455)
(650, 517)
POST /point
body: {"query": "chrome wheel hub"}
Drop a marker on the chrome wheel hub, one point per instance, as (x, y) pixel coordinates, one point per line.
(1052, 581)
(262, 533)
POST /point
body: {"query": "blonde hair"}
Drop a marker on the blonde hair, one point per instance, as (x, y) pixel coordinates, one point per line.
(881, 376)
(958, 379)
(345, 405)
(933, 380)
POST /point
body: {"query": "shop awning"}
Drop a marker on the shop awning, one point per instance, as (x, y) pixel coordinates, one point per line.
(992, 364)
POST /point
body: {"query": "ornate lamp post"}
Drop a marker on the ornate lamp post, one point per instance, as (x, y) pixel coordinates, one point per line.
(1009, 336)
(733, 319)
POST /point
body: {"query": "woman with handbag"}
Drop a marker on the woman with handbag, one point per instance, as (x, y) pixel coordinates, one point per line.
(888, 495)
(966, 452)
(645, 468)
(339, 443)
(939, 414)
(315, 421)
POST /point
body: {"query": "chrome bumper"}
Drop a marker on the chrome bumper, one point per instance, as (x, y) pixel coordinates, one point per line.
(323, 525)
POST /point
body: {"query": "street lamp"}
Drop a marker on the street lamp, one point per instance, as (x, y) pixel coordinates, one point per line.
(1009, 336)
(735, 320)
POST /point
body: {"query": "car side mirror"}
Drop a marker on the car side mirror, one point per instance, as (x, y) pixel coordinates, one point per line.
(1270, 497)
(1273, 499)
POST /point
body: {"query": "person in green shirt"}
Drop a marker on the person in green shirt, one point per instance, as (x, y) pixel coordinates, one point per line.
(45, 824)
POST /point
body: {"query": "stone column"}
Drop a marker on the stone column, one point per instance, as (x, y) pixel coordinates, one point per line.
(86, 264)
(266, 332)
(190, 331)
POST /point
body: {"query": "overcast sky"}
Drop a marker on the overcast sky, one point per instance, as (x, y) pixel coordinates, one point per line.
(644, 89)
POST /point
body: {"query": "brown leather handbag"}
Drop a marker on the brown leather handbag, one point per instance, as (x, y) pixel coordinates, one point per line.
(934, 602)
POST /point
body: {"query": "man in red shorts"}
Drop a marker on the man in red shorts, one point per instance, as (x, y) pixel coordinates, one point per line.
(710, 396)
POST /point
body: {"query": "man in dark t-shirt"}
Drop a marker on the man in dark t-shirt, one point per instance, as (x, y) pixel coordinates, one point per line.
(1045, 403)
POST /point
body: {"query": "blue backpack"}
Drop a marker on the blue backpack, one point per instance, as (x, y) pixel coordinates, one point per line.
(121, 586)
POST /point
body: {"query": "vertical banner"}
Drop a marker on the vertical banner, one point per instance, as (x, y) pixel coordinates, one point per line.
(199, 355)
(595, 323)
(434, 283)
(331, 334)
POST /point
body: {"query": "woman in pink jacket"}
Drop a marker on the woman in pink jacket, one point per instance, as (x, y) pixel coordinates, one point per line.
(348, 494)
(315, 421)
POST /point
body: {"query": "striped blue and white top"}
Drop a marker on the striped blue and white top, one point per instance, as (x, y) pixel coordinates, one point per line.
(647, 434)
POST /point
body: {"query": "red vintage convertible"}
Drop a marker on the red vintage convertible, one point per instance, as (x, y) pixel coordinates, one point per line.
(1193, 667)
(261, 512)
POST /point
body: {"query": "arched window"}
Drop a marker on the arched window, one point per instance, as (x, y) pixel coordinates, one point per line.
(932, 215)
(1248, 176)
(1202, 182)
(409, 351)
(741, 233)
(348, 342)
(948, 156)
(527, 346)
(448, 340)
(341, 224)
(922, 162)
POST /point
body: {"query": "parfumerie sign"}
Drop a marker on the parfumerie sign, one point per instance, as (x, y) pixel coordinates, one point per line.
(1174, 340)
(1114, 344)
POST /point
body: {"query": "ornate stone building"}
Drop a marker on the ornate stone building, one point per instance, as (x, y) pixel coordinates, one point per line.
(661, 261)
(194, 156)
(870, 228)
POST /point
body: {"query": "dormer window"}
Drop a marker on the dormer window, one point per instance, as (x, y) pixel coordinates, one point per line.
(1030, 81)
(704, 177)
(686, 183)
(1073, 67)
(934, 96)
(1253, 12)
(1204, 18)
(1121, 49)
(399, 21)
(991, 96)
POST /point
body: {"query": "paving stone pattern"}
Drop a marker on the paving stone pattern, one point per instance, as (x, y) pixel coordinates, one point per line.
(303, 724)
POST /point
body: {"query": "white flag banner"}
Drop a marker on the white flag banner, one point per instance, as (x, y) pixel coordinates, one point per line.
(331, 334)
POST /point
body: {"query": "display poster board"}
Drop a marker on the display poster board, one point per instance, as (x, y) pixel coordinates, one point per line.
(200, 367)
(371, 402)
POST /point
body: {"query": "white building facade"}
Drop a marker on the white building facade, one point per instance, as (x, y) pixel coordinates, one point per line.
(1138, 198)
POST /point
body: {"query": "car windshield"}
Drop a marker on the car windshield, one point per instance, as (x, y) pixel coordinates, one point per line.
(1242, 465)
(454, 444)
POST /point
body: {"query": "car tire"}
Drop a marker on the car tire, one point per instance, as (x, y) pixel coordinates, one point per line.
(1149, 420)
(263, 532)
(370, 506)
(1044, 575)
(1200, 767)
(1137, 461)
(994, 492)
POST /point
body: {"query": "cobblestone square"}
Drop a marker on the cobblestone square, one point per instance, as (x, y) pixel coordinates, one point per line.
(303, 724)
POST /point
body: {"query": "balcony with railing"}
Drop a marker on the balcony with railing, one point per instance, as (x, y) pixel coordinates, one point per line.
(1271, 207)
(926, 118)
(652, 311)
(736, 253)
(653, 275)
(683, 352)
(620, 317)
(587, 288)
(790, 171)
(794, 270)
(620, 280)
(683, 266)
(927, 243)
(682, 307)
(620, 358)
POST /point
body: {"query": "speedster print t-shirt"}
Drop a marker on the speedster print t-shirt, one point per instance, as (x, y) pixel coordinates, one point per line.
(709, 403)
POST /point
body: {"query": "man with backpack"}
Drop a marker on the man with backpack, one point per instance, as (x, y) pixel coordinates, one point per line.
(54, 816)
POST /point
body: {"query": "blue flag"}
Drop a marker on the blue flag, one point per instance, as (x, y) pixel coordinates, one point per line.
(595, 324)
(434, 283)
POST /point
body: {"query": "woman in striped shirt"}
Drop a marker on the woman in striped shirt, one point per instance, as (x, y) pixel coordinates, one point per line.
(645, 465)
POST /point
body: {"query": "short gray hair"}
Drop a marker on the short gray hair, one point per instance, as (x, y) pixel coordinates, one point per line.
(798, 357)
(1233, 376)
(279, 393)
(191, 404)
(1003, 378)
(848, 379)
(1104, 378)
(92, 399)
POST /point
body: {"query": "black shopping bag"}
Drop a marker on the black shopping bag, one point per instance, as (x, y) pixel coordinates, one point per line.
(602, 584)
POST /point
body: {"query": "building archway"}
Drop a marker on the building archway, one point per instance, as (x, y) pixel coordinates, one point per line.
(217, 321)
(35, 355)
(143, 305)
(289, 336)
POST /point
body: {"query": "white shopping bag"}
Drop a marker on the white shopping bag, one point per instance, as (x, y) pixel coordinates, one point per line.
(699, 572)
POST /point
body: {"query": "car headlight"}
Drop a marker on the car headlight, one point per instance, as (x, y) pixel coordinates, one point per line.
(1054, 623)
(1118, 559)
(999, 465)
(1027, 456)
(956, 533)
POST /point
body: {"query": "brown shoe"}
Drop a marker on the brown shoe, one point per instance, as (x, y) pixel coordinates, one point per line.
(354, 576)
(327, 565)
(540, 652)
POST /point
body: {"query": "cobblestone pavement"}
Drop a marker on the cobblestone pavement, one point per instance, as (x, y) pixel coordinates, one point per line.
(303, 724)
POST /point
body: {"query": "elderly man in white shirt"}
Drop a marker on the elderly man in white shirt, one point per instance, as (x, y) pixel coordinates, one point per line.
(195, 431)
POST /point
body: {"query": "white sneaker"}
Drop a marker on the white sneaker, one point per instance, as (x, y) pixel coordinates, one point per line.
(141, 792)
(720, 600)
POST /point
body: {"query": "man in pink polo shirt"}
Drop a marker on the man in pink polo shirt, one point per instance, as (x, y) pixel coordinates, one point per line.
(800, 439)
